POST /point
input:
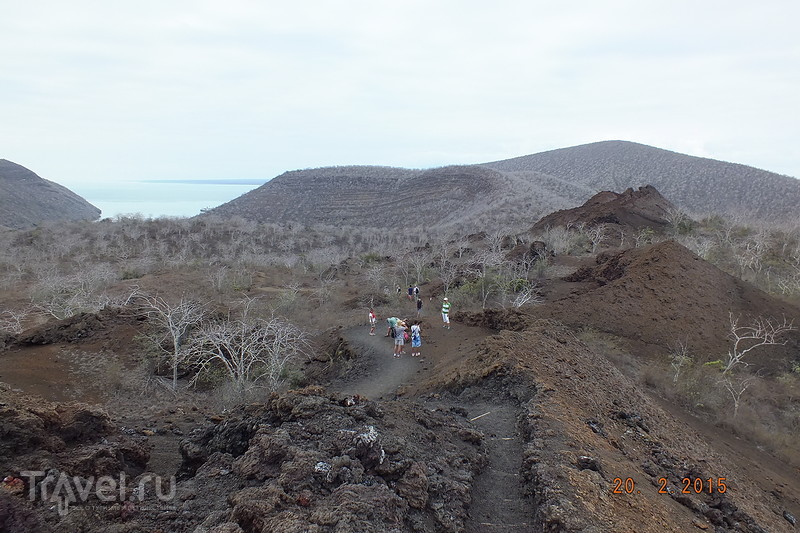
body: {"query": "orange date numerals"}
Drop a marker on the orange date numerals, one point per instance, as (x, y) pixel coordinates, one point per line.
(623, 486)
(695, 485)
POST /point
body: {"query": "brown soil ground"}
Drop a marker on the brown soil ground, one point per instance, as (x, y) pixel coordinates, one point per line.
(507, 422)
(660, 294)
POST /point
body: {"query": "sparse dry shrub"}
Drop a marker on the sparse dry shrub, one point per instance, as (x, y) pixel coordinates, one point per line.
(11, 321)
(98, 374)
(64, 295)
(173, 321)
(701, 245)
(770, 417)
(564, 241)
(768, 413)
(251, 350)
(680, 358)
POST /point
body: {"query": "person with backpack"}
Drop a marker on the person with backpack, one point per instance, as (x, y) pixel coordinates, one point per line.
(446, 313)
(419, 307)
(392, 322)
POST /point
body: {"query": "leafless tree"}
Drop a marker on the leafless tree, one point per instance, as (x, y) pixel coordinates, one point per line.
(680, 358)
(495, 239)
(762, 332)
(522, 268)
(448, 272)
(461, 246)
(289, 295)
(736, 387)
(559, 239)
(597, 235)
(790, 283)
(700, 244)
(643, 237)
(218, 276)
(676, 219)
(419, 262)
(326, 280)
(11, 321)
(487, 260)
(725, 231)
(750, 254)
(175, 321)
(376, 275)
(529, 295)
(403, 267)
(248, 348)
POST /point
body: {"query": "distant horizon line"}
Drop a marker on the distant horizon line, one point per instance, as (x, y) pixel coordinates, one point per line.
(214, 181)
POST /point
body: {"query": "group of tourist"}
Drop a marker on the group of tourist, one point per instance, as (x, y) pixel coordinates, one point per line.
(413, 295)
(400, 331)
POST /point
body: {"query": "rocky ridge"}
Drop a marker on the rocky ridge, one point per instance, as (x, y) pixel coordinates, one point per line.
(27, 201)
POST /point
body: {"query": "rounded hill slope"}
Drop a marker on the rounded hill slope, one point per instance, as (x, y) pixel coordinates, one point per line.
(26, 200)
(369, 196)
(664, 293)
(513, 192)
(694, 184)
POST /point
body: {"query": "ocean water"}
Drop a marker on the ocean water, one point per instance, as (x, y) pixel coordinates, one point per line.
(158, 198)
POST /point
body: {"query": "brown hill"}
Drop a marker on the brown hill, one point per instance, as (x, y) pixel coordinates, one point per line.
(26, 200)
(371, 196)
(664, 293)
(694, 184)
(512, 192)
(631, 209)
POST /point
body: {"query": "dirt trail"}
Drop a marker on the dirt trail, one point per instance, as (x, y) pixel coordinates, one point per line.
(498, 501)
(382, 375)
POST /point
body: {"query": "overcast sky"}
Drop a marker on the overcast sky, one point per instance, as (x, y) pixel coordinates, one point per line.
(170, 89)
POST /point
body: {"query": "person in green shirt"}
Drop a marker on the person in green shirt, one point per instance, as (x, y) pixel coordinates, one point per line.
(392, 322)
(446, 313)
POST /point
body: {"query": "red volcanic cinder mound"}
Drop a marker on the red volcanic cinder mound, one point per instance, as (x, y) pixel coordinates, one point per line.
(664, 293)
(634, 209)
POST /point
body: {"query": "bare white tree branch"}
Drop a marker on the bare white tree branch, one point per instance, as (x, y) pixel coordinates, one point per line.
(762, 332)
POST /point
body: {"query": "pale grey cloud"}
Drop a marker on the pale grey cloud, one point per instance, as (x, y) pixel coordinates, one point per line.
(184, 89)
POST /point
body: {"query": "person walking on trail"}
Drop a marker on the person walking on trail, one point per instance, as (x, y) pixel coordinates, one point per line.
(392, 322)
(416, 292)
(399, 338)
(419, 307)
(446, 313)
(410, 292)
(416, 340)
(373, 320)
